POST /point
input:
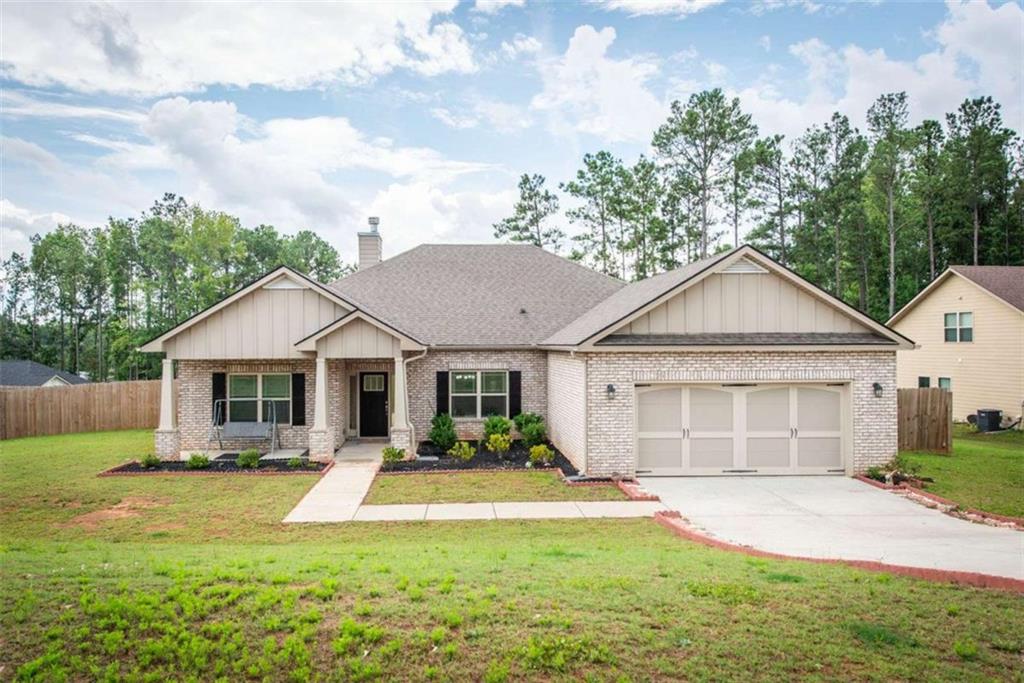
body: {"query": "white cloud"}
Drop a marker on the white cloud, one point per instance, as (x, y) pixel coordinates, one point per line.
(500, 117)
(453, 120)
(18, 225)
(154, 49)
(520, 45)
(765, 42)
(495, 6)
(19, 105)
(587, 91)
(760, 7)
(679, 8)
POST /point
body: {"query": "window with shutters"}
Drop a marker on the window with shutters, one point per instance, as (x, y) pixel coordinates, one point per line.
(260, 398)
(478, 393)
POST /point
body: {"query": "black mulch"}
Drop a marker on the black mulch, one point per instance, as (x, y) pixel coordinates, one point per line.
(220, 465)
(516, 459)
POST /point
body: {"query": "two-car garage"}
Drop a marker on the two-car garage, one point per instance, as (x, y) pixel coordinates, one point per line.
(750, 429)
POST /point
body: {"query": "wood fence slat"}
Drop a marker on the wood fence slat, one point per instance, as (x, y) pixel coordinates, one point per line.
(925, 419)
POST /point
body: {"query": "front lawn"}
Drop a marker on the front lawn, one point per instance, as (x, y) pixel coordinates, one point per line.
(481, 487)
(154, 578)
(985, 471)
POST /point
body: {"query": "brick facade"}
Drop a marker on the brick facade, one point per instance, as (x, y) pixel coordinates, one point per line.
(610, 420)
(567, 405)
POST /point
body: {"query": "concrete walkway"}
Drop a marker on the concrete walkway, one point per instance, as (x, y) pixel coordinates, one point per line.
(338, 494)
(838, 518)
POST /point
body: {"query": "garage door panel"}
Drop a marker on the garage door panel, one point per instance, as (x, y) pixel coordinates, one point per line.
(817, 410)
(666, 453)
(711, 453)
(661, 410)
(710, 410)
(768, 410)
(768, 452)
(819, 452)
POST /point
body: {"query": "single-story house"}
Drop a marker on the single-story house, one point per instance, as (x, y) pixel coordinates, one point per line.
(969, 327)
(28, 373)
(732, 364)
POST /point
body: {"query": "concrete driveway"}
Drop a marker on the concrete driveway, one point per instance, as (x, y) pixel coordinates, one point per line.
(838, 517)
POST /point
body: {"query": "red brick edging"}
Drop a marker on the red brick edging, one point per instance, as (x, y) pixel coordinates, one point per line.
(674, 522)
(971, 512)
(116, 471)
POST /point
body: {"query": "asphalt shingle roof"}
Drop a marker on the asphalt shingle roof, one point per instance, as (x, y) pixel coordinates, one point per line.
(1006, 282)
(28, 373)
(477, 294)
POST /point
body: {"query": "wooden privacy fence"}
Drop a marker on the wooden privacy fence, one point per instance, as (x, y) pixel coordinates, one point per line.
(925, 419)
(37, 411)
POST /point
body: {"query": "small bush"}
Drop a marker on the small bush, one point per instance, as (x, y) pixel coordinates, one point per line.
(149, 461)
(392, 454)
(875, 472)
(442, 431)
(499, 443)
(496, 424)
(523, 419)
(541, 455)
(295, 463)
(197, 461)
(534, 433)
(966, 649)
(249, 458)
(462, 451)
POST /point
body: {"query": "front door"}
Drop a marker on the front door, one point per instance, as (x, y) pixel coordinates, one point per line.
(373, 404)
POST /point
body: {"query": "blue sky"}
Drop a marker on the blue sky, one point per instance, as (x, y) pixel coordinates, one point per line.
(318, 115)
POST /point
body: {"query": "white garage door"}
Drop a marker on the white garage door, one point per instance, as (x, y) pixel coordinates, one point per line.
(749, 429)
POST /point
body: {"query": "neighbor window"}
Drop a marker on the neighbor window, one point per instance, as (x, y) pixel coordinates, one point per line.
(924, 382)
(959, 327)
(256, 398)
(478, 393)
(945, 383)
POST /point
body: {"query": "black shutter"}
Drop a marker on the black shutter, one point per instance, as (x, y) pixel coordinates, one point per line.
(442, 392)
(220, 392)
(515, 393)
(298, 399)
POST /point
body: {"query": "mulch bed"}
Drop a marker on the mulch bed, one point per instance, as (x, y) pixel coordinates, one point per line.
(516, 459)
(217, 466)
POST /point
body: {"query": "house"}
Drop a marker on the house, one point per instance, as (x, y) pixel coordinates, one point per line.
(969, 326)
(28, 373)
(732, 364)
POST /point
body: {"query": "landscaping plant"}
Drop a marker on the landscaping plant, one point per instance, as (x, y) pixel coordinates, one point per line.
(295, 463)
(541, 455)
(197, 461)
(534, 433)
(462, 451)
(496, 424)
(499, 443)
(249, 458)
(392, 454)
(523, 419)
(149, 461)
(442, 431)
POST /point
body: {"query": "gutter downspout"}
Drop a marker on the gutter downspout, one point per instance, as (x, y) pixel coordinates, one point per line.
(405, 364)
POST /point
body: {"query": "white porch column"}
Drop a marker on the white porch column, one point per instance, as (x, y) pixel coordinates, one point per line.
(320, 397)
(168, 411)
(401, 431)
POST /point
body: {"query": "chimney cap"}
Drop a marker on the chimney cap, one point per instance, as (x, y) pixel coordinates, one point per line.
(374, 221)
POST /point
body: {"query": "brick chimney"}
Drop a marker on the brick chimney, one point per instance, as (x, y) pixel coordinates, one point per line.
(370, 245)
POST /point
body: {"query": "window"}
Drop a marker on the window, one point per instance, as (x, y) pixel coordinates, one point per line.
(945, 383)
(373, 383)
(260, 398)
(478, 393)
(958, 327)
(924, 382)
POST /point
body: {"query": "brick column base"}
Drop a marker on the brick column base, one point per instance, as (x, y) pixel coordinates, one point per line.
(321, 445)
(402, 438)
(167, 443)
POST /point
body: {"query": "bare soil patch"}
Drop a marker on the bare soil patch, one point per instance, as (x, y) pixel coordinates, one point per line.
(128, 507)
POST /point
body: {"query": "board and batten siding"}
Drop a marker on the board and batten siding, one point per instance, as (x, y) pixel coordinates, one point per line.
(742, 302)
(987, 372)
(359, 339)
(567, 406)
(265, 323)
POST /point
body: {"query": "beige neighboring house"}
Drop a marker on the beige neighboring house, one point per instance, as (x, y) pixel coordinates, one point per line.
(729, 365)
(969, 328)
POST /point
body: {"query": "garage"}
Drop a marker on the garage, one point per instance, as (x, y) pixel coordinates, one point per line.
(742, 429)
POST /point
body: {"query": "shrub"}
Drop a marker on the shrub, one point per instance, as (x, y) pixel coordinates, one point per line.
(442, 431)
(149, 461)
(966, 649)
(523, 419)
(534, 433)
(462, 451)
(541, 455)
(499, 443)
(249, 458)
(875, 472)
(295, 463)
(197, 461)
(496, 424)
(392, 454)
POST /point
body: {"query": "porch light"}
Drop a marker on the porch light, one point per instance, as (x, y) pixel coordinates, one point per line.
(610, 389)
(878, 390)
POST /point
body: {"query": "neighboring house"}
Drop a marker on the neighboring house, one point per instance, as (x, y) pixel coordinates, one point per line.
(969, 327)
(733, 364)
(28, 373)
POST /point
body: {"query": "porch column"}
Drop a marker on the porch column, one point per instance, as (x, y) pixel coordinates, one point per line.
(321, 435)
(167, 440)
(401, 431)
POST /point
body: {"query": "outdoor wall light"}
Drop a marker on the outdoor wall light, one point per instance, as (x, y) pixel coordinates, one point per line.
(610, 389)
(878, 390)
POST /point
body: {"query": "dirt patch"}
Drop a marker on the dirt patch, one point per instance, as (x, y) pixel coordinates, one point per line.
(128, 507)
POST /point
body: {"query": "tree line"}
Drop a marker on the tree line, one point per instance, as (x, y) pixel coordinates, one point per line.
(870, 216)
(84, 299)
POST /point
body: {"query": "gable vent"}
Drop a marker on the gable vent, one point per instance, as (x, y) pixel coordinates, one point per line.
(743, 265)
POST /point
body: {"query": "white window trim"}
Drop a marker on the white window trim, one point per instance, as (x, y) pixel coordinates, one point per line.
(478, 394)
(958, 327)
(259, 394)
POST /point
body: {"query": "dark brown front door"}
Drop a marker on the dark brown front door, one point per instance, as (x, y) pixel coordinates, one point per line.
(373, 404)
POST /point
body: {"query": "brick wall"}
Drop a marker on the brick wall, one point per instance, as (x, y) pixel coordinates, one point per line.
(610, 421)
(567, 405)
(422, 380)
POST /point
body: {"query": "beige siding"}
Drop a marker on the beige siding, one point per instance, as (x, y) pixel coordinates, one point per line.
(358, 339)
(747, 302)
(264, 324)
(567, 406)
(985, 373)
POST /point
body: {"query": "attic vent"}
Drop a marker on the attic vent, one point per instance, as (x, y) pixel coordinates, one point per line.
(743, 265)
(284, 282)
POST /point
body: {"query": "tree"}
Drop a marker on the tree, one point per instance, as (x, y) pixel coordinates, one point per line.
(308, 253)
(594, 186)
(698, 143)
(926, 178)
(810, 183)
(772, 195)
(527, 223)
(843, 180)
(639, 207)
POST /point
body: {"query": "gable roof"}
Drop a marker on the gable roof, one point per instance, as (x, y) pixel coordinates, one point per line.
(633, 299)
(28, 373)
(1005, 283)
(477, 294)
(308, 343)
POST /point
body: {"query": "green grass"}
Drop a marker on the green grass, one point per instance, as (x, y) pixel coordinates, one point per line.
(985, 471)
(481, 487)
(204, 582)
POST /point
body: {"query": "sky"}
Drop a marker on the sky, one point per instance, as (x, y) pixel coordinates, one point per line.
(316, 116)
